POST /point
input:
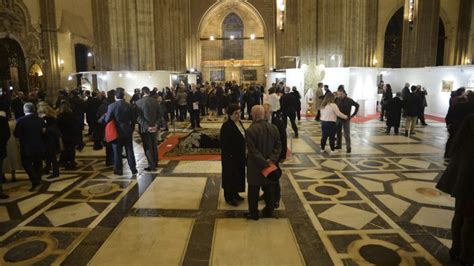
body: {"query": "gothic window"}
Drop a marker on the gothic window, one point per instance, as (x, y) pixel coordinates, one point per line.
(393, 41)
(441, 42)
(233, 26)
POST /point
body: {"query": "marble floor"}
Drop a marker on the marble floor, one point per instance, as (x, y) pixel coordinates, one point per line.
(377, 205)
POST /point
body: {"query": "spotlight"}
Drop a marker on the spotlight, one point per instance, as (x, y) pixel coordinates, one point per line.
(89, 54)
(232, 37)
(212, 38)
(120, 75)
(192, 70)
(252, 36)
(69, 78)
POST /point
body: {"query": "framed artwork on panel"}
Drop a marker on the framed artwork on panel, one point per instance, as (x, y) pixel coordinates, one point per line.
(447, 85)
(249, 74)
(217, 75)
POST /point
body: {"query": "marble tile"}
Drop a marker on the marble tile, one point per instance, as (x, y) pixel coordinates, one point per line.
(70, 214)
(371, 186)
(422, 176)
(381, 177)
(390, 139)
(434, 217)
(396, 205)
(173, 193)
(60, 185)
(243, 205)
(314, 174)
(263, 242)
(446, 242)
(17, 190)
(414, 163)
(362, 149)
(4, 216)
(336, 165)
(348, 216)
(146, 241)
(413, 149)
(422, 192)
(205, 167)
(299, 146)
(33, 202)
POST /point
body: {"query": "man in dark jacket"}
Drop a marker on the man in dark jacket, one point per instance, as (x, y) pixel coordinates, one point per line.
(194, 99)
(123, 114)
(264, 148)
(147, 117)
(411, 105)
(92, 105)
(30, 129)
(345, 105)
(78, 109)
(393, 109)
(288, 107)
(4, 136)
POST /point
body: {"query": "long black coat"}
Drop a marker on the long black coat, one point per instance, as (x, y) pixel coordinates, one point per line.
(232, 156)
(457, 180)
(4, 136)
(393, 110)
(52, 136)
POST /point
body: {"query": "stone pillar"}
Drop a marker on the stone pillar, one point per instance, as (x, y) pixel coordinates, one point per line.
(50, 48)
(347, 29)
(464, 31)
(420, 39)
(308, 31)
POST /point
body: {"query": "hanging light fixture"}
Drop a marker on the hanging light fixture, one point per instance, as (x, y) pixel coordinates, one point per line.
(281, 7)
(411, 13)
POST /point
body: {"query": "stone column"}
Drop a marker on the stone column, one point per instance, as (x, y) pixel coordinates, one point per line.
(420, 39)
(464, 30)
(50, 47)
(347, 28)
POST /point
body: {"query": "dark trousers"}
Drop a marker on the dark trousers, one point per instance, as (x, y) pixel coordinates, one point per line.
(462, 228)
(118, 146)
(33, 166)
(109, 154)
(318, 115)
(298, 114)
(292, 117)
(242, 111)
(52, 163)
(69, 154)
(329, 131)
(346, 125)
(382, 111)
(390, 128)
(203, 109)
(421, 116)
(270, 197)
(150, 148)
(195, 118)
(182, 112)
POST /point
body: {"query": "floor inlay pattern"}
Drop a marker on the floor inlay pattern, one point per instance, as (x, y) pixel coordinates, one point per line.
(377, 205)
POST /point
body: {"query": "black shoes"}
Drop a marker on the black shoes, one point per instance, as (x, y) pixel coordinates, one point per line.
(4, 196)
(232, 202)
(239, 198)
(35, 187)
(134, 171)
(337, 147)
(249, 216)
(118, 173)
(150, 169)
(349, 150)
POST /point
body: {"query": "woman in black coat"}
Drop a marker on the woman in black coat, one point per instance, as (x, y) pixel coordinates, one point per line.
(297, 96)
(68, 126)
(393, 112)
(4, 136)
(232, 139)
(458, 181)
(51, 140)
(101, 112)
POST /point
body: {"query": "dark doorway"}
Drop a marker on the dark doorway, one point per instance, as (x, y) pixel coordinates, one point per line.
(81, 52)
(392, 56)
(233, 26)
(13, 72)
(441, 42)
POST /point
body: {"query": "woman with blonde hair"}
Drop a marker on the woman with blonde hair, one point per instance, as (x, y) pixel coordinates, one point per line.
(329, 114)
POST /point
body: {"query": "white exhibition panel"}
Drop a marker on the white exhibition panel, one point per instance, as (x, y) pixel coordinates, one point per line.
(295, 77)
(132, 80)
(431, 78)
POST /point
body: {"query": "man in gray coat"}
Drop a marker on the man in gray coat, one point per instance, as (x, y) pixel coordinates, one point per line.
(147, 118)
(264, 147)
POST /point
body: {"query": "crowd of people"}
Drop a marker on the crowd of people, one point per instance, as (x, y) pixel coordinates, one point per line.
(49, 135)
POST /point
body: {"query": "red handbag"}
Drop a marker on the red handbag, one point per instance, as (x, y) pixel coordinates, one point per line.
(111, 132)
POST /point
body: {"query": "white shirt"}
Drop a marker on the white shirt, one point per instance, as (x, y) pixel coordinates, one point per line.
(274, 102)
(330, 113)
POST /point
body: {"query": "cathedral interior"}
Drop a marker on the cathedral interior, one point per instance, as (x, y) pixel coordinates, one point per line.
(377, 205)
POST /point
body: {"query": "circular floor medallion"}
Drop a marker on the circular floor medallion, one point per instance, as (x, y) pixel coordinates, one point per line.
(28, 251)
(373, 164)
(327, 190)
(378, 252)
(100, 190)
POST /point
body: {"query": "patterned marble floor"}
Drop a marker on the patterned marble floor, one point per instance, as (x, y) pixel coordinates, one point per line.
(377, 205)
